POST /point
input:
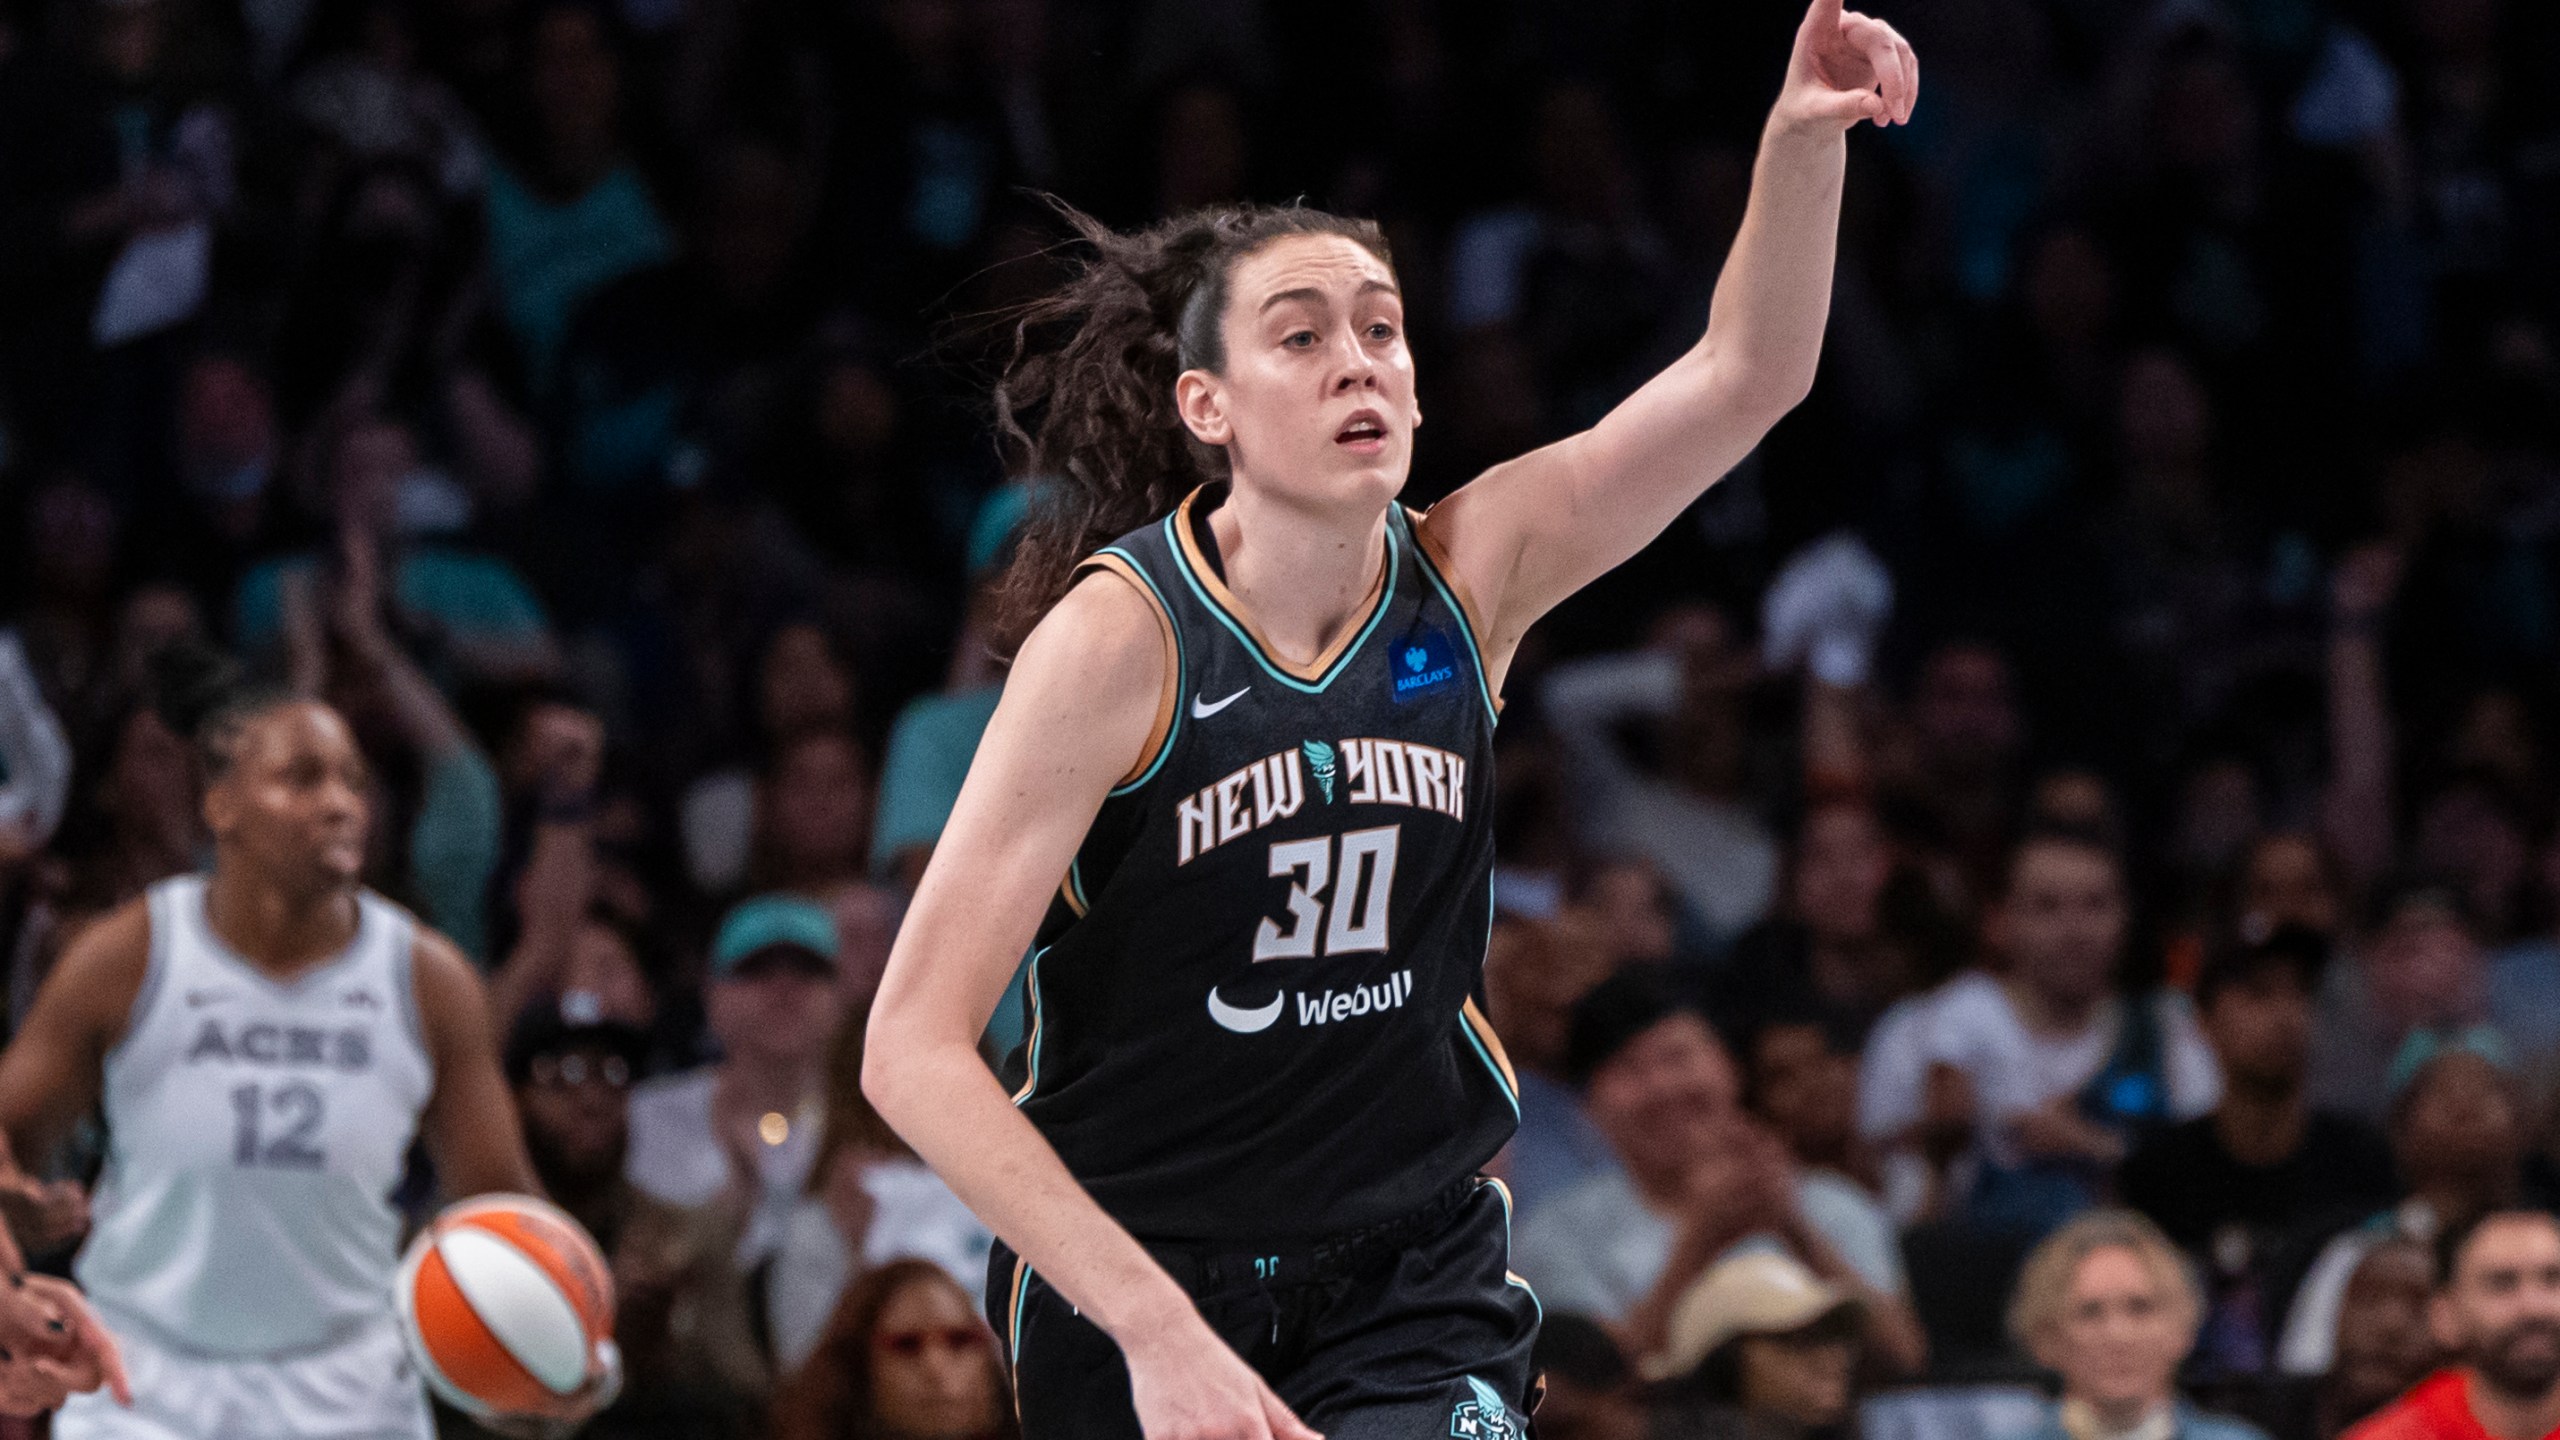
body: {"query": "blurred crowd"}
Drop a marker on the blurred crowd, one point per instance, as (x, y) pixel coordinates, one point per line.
(2074, 813)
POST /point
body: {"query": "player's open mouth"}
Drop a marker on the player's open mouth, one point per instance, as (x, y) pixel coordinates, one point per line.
(1366, 433)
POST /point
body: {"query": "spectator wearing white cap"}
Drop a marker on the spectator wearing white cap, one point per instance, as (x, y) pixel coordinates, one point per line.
(1760, 1348)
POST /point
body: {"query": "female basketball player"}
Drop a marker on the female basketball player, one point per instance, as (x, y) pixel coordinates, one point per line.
(266, 1040)
(1253, 734)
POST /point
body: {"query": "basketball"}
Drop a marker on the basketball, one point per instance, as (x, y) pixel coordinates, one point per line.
(507, 1306)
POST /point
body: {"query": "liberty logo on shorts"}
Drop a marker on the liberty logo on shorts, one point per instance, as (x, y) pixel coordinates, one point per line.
(1424, 664)
(1486, 1417)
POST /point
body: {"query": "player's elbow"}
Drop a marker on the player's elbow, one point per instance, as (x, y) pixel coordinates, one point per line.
(1761, 395)
(894, 1064)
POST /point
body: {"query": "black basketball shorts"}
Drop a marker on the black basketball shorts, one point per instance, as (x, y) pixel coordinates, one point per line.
(1416, 1330)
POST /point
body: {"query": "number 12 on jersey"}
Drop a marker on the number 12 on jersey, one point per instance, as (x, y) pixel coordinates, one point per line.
(1355, 919)
(296, 1107)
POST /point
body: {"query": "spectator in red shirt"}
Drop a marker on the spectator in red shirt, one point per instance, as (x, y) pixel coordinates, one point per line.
(2496, 1308)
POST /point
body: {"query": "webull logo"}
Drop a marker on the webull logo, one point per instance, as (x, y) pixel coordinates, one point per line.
(1332, 1005)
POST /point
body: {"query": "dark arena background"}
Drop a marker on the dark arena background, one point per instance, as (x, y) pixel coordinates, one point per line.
(2100, 753)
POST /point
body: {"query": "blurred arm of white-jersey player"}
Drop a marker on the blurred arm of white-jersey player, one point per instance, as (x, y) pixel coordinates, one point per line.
(471, 1127)
(1531, 531)
(1076, 713)
(48, 1079)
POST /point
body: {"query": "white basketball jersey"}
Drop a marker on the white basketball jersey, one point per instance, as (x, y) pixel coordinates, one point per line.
(255, 1133)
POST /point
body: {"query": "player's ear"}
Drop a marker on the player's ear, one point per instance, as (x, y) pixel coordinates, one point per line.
(1202, 402)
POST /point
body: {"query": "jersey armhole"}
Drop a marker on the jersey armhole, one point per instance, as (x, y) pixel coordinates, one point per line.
(1168, 711)
(403, 943)
(157, 925)
(1436, 559)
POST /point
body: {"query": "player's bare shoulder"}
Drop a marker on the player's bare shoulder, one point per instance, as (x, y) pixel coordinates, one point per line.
(1097, 675)
(453, 1001)
(99, 976)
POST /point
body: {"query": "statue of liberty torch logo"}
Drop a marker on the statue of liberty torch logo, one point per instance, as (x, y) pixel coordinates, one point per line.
(1320, 760)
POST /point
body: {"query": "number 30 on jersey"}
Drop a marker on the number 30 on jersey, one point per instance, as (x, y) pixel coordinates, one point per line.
(1358, 867)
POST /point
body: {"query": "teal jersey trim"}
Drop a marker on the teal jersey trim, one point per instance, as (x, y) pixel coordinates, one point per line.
(1509, 1275)
(1475, 652)
(1490, 1064)
(1031, 1057)
(1244, 637)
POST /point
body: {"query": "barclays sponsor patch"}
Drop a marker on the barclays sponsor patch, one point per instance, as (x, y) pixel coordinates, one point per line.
(1424, 662)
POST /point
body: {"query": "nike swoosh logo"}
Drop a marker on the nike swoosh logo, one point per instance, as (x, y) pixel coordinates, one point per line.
(1203, 709)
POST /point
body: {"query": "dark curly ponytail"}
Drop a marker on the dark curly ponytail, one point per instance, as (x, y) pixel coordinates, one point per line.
(1086, 397)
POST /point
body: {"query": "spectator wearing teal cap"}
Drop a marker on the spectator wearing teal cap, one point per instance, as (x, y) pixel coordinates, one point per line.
(749, 1121)
(2459, 1137)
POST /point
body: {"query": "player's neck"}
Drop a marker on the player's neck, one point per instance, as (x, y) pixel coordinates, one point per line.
(1305, 575)
(275, 928)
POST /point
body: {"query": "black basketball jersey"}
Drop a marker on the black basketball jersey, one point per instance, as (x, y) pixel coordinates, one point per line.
(1253, 1009)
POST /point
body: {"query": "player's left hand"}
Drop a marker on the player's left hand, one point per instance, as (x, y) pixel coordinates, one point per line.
(1848, 67)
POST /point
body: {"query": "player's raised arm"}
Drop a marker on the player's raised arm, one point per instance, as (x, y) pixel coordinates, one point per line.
(1078, 711)
(1532, 531)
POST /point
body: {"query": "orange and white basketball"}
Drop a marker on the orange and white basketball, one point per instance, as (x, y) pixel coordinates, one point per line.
(508, 1310)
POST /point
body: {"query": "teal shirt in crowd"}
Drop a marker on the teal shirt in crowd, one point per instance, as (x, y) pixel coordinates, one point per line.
(929, 753)
(462, 592)
(548, 256)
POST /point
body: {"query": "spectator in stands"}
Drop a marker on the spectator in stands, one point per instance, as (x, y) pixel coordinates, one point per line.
(2421, 970)
(803, 685)
(1760, 1348)
(869, 1202)
(1802, 1079)
(1831, 955)
(2524, 977)
(571, 213)
(681, 1313)
(2290, 878)
(2254, 1186)
(1958, 759)
(2497, 1311)
(813, 816)
(906, 1355)
(2384, 1343)
(2459, 1142)
(1534, 973)
(1696, 1178)
(937, 734)
(747, 1126)
(2009, 1100)
(2107, 1304)
(1637, 915)
(1591, 1393)
(1689, 821)
(572, 1077)
(340, 646)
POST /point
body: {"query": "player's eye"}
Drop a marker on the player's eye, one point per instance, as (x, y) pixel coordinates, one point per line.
(1381, 330)
(1300, 340)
